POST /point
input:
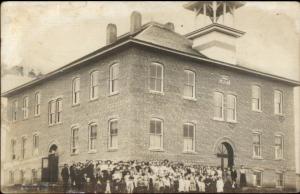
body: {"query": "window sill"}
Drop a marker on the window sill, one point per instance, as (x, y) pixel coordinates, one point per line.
(257, 158)
(55, 124)
(92, 151)
(258, 111)
(94, 99)
(189, 98)
(156, 150)
(230, 121)
(279, 114)
(218, 119)
(112, 149)
(189, 152)
(75, 105)
(156, 92)
(278, 159)
(37, 116)
(74, 154)
(114, 93)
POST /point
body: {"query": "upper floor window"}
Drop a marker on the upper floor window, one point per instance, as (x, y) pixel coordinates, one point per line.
(14, 110)
(35, 144)
(156, 134)
(55, 111)
(257, 178)
(278, 147)
(74, 140)
(113, 134)
(114, 79)
(13, 149)
(256, 98)
(219, 105)
(94, 85)
(76, 90)
(231, 108)
(23, 147)
(37, 104)
(58, 110)
(189, 137)
(189, 84)
(25, 107)
(156, 77)
(92, 136)
(278, 100)
(256, 144)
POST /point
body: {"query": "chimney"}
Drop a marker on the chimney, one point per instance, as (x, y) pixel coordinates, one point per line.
(170, 26)
(135, 21)
(111, 33)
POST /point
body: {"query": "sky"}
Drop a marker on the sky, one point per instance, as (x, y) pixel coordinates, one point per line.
(49, 35)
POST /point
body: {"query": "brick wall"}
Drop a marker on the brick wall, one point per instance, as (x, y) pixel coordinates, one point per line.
(134, 106)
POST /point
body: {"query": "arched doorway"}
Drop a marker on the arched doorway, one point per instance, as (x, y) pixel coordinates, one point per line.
(225, 154)
(50, 165)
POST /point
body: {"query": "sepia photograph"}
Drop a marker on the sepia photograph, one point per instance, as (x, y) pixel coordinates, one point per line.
(150, 97)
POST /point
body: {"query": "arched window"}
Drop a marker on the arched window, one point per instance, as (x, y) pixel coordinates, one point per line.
(256, 144)
(14, 110)
(218, 106)
(76, 90)
(92, 136)
(279, 146)
(256, 98)
(156, 133)
(114, 78)
(113, 134)
(22, 176)
(51, 112)
(59, 110)
(23, 147)
(156, 77)
(231, 108)
(278, 101)
(25, 107)
(188, 137)
(35, 144)
(11, 177)
(74, 140)
(94, 78)
(13, 149)
(37, 103)
(189, 84)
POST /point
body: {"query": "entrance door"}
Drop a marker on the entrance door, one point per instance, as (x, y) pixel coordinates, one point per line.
(225, 153)
(50, 166)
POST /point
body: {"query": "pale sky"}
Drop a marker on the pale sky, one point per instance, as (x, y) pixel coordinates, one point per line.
(49, 35)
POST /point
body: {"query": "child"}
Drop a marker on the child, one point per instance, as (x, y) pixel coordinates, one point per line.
(220, 185)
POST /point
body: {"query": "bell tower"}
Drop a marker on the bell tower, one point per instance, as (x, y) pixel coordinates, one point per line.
(216, 37)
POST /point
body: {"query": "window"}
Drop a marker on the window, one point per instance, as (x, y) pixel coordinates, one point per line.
(278, 147)
(74, 140)
(218, 106)
(231, 108)
(113, 134)
(25, 107)
(256, 145)
(279, 179)
(35, 144)
(14, 110)
(22, 176)
(92, 136)
(94, 85)
(189, 84)
(76, 90)
(59, 110)
(55, 111)
(156, 134)
(256, 98)
(257, 178)
(37, 105)
(11, 177)
(156, 77)
(13, 149)
(23, 147)
(278, 99)
(34, 176)
(114, 79)
(51, 112)
(189, 137)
